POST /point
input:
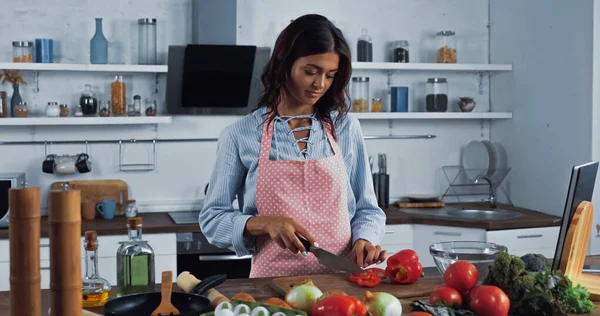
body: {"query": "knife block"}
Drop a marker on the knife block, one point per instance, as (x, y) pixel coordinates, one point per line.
(575, 250)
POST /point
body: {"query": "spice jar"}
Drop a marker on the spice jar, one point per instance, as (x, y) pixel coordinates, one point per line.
(360, 94)
(78, 111)
(437, 95)
(118, 97)
(150, 107)
(21, 110)
(137, 105)
(446, 52)
(376, 105)
(3, 107)
(52, 109)
(400, 51)
(64, 110)
(364, 47)
(104, 108)
(88, 101)
(22, 52)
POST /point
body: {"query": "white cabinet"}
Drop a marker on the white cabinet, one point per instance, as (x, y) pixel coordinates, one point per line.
(164, 246)
(528, 240)
(425, 235)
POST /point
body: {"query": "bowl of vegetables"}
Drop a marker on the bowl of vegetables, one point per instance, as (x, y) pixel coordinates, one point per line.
(481, 254)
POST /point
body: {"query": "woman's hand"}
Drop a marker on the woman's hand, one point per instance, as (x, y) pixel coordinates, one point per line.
(365, 254)
(283, 230)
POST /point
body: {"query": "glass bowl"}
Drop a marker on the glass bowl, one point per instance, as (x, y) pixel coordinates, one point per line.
(481, 254)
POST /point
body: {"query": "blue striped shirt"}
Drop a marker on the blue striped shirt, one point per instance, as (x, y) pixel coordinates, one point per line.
(236, 170)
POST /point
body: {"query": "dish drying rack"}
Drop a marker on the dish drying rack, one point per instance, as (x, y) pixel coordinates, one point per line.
(462, 182)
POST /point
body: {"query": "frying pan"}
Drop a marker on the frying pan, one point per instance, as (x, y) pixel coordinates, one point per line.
(143, 304)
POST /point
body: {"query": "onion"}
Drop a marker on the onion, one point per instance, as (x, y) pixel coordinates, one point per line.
(241, 309)
(303, 296)
(260, 311)
(223, 306)
(382, 304)
(279, 314)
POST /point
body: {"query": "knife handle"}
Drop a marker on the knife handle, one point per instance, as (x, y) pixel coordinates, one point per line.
(305, 243)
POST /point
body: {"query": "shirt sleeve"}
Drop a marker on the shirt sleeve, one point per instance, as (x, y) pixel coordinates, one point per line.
(368, 222)
(223, 225)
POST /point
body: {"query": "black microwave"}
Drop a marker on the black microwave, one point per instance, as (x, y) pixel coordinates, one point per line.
(8, 181)
(205, 79)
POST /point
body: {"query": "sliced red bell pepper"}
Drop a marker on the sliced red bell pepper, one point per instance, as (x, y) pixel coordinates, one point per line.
(339, 306)
(366, 279)
(403, 269)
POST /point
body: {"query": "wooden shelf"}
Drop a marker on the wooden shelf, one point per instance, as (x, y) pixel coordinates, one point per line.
(82, 120)
(431, 115)
(86, 67)
(432, 67)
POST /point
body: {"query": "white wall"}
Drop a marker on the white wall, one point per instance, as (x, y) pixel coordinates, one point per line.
(177, 183)
(549, 92)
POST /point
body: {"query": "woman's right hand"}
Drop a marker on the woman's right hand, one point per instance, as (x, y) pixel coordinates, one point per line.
(283, 230)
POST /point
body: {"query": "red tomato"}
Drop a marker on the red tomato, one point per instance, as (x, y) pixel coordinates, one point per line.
(461, 275)
(339, 306)
(445, 294)
(419, 314)
(489, 300)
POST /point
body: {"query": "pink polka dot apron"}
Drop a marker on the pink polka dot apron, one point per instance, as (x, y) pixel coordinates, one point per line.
(313, 192)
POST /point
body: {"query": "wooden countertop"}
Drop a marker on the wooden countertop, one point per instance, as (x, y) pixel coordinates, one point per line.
(259, 288)
(161, 222)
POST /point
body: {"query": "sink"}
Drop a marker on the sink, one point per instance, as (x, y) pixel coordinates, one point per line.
(485, 214)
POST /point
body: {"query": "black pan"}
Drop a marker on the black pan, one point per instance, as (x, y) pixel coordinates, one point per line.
(143, 304)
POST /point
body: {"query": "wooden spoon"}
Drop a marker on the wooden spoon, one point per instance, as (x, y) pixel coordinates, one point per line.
(166, 308)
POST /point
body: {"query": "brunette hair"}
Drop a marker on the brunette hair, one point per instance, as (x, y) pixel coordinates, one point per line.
(310, 34)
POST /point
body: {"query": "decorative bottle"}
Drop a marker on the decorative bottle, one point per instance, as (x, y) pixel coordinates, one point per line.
(95, 289)
(135, 262)
(99, 45)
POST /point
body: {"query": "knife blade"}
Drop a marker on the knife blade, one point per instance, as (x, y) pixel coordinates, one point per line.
(330, 260)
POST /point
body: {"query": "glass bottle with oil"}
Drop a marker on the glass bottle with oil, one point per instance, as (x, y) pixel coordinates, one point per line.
(135, 262)
(95, 289)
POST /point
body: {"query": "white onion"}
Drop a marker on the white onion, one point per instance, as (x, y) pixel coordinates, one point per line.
(382, 304)
(303, 296)
(260, 311)
(241, 309)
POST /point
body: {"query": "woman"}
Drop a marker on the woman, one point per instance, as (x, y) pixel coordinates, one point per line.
(297, 164)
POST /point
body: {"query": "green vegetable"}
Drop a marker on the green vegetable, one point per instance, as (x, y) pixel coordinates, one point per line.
(535, 262)
(577, 298)
(509, 274)
(440, 309)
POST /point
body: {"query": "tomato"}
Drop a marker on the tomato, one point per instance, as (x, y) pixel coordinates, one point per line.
(402, 268)
(339, 306)
(489, 300)
(445, 294)
(418, 314)
(461, 275)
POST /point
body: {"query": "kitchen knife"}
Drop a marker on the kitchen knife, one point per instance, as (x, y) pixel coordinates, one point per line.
(330, 260)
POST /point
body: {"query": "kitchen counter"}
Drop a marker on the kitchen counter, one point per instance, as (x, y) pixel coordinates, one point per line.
(260, 289)
(161, 222)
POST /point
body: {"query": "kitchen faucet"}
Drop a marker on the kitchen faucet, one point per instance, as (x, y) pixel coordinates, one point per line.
(492, 198)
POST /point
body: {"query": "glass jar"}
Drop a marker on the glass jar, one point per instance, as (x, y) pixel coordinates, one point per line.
(131, 209)
(446, 52)
(147, 41)
(364, 47)
(78, 111)
(21, 110)
(150, 107)
(64, 110)
(376, 105)
(3, 107)
(400, 51)
(437, 95)
(104, 108)
(137, 105)
(22, 52)
(118, 99)
(360, 94)
(52, 109)
(88, 101)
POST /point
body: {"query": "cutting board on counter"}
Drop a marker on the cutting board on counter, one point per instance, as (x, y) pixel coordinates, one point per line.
(98, 190)
(324, 282)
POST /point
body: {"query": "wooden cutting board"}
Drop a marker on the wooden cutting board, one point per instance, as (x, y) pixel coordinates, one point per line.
(420, 204)
(98, 190)
(423, 287)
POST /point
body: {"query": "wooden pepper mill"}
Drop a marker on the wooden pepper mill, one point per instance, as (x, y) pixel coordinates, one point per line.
(24, 239)
(64, 219)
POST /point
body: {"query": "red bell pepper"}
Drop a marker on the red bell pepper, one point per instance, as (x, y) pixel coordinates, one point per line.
(369, 278)
(339, 306)
(404, 267)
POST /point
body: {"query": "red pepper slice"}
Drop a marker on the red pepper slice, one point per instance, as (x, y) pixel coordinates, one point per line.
(366, 279)
(378, 272)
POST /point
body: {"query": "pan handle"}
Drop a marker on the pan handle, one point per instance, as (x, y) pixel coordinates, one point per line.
(209, 283)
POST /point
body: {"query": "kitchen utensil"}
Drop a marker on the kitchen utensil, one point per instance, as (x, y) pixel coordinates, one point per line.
(501, 162)
(165, 307)
(107, 208)
(190, 284)
(98, 190)
(475, 159)
(88, 209)
(83, 313)
(384, 182)
(330, 260)
(375, 180)
(340, 281)
(481, 254)
(422, 198)
(466, 104)
(420, 205)
(144, 304)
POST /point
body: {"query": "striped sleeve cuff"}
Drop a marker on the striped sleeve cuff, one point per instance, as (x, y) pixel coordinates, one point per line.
(242, 245)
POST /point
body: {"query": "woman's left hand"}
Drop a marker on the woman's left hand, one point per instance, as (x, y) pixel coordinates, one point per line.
(365, 254)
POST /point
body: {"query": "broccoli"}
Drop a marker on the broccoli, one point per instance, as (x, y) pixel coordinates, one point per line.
(535, 262)
(508, 273)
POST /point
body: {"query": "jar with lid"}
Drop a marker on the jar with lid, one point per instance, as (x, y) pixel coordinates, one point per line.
(150, 107)
(376, 105)
(52, 109)
(147, 41)
(135, 108)
(3, 107)
(364, 47)
(360, 94)
(131, 209)
(446, 52)
(21, 110)
(64, 110)
(78, 111)
(88, 101)
(437, 95)
(22, 52)
(400, 51)
(104, 108)
(118, 99)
